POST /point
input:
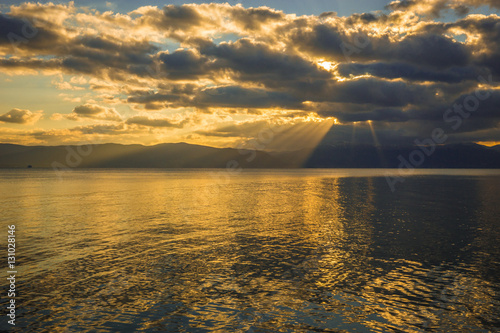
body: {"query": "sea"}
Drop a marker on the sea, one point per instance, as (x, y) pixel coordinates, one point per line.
(219, 250)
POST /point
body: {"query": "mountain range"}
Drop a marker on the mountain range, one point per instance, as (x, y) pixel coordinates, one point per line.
(183, 155)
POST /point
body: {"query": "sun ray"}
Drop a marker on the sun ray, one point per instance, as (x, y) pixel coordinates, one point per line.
(301, 139)
(377, 145)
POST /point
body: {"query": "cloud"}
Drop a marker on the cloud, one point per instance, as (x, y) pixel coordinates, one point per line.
(22, 33)
(424, 49)
(107, 129)
(204, 20)
(171, 18)
(184, 64)
(409, 72)
(90, 111)
(485, 33)
(158, 122)
(236, 96)
(21, 116)
(249, 129)
(255, 18)
(435, 8)
(254, 61)
(426, 7)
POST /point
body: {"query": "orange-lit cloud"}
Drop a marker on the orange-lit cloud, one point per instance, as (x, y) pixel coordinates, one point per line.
(90, 111)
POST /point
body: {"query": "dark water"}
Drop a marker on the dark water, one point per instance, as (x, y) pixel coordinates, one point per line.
(261, 251)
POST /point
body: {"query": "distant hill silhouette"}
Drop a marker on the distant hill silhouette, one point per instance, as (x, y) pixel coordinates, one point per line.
(183, 155)
(366, 156)
(171, 155)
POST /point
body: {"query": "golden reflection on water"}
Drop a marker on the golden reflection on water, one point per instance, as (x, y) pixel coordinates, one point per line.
(261, 250)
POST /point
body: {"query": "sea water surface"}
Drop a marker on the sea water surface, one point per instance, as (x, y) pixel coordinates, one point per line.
(255, 251)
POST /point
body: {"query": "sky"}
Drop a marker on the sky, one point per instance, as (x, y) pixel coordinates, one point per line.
(278, 75)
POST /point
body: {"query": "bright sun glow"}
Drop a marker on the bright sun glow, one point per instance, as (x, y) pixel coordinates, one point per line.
(328, 65)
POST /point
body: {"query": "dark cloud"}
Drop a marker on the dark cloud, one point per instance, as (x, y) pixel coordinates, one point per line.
(487, 109)
(430, 8)
(22, 33)
(254, 18)
(461, 10)
(390, 115)
(171, 18)
(88, 110)
(158, 101)
(81, 53)
(184, 64)
(33, 64)
(425, 49)
(20, 116)
(155, 97)
(106, 129)
(258, 62)
(435, 8)
(221, 133)
(91, 54)
(483, 34)
(157, 122)
(430, 49)
(487, 50)
(374, 91)
(322, 39)
(235, 96)
(132, 51)
(401, 5)
(363, 18)
(240, 130)
(91, 111)
(409, 72)
(476, 3)
(180, 16)
(465, 116)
